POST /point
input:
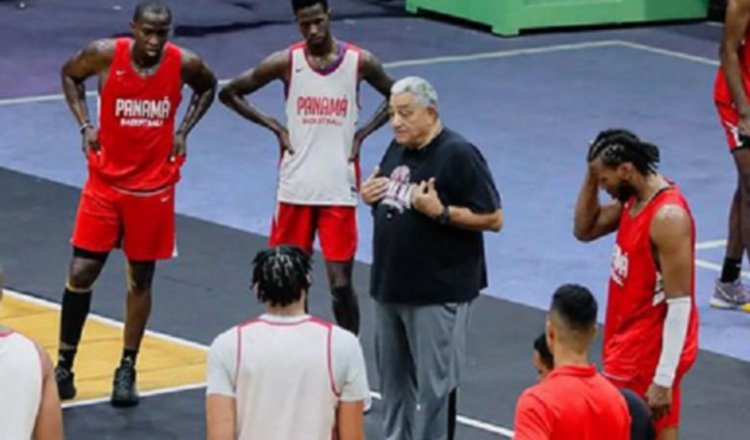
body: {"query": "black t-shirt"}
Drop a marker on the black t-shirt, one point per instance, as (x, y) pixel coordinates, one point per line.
(416, 260)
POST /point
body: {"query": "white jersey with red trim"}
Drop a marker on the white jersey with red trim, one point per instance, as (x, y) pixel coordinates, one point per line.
(20, 386)
(287, 375)
(322, 110)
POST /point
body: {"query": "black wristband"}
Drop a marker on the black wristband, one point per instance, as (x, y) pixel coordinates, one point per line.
(84, 126)
(445, 217)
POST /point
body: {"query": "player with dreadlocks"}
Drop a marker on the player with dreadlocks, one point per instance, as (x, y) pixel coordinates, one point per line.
(285, 374)
(651, 323)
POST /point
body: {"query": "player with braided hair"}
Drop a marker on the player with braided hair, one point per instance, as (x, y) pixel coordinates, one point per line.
(651, 322)
(285, 374)
(281, 275)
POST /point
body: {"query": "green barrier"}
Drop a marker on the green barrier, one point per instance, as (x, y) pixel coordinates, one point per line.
(509, 17)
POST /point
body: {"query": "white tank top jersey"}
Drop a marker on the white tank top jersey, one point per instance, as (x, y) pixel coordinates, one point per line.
(322, 111)
(287, 376)
(20, 386)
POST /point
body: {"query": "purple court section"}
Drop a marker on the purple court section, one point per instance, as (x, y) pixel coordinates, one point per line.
(531, 114)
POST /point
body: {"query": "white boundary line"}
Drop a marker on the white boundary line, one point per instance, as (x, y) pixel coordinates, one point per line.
(105, 320)
(394, 64)
(417, 62)
(670, 53)
(716, 267)
(468, 421)
(710, 244)
(151, 393)
(454, 59)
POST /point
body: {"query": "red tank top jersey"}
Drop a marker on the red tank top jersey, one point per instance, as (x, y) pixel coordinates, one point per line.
(136, 122)
(637, 307)
(722, 94)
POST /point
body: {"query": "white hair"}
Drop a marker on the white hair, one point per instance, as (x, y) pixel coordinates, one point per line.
(419, 87)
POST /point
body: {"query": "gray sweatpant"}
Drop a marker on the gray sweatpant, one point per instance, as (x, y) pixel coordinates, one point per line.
(420, 352)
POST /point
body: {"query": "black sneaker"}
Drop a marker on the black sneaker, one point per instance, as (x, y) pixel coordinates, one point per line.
(124, 393)
(65, 386)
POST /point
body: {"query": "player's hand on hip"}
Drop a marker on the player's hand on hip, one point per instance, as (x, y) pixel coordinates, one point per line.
(90, 140)
(659, 399)
(179, 148)
(356, 146)
(374, 188)
(743, 126)
(284, 142)
(425, 199)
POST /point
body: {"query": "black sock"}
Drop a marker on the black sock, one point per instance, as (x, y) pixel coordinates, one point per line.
(346, 308)
(75, 307)
(129, 357)
(65, 358)
(731, 270)
(452, 413)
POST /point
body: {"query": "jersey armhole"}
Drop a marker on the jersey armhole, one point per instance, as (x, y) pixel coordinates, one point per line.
(329, 352)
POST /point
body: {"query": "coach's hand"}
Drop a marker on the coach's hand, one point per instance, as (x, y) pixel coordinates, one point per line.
(179, 148)
(659, 399)
(425, 199)
(90, 140)
(374, 188)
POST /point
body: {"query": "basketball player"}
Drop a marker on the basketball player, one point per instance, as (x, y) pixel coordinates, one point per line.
(134, 161)
(651, 325)
(731, 98)
(319, 171)
(285, 375)
(29, 405)
(546, 411)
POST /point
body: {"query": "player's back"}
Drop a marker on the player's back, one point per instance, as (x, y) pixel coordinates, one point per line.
(574, 402)
(285, 382)
(20, 386)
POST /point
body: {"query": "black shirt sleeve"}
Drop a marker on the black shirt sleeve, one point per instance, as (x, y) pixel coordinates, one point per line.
(476, 188)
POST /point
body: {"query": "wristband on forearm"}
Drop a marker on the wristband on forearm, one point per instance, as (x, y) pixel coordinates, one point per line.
(673, 339)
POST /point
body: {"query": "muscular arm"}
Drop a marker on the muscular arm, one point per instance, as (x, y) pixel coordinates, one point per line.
(220, 417)
(49, 419)
(89, 61)
(671, 238)
(198, 77)
(592, 220)
(233, 94)
(737, 18)
(375, 75)
(671, 232)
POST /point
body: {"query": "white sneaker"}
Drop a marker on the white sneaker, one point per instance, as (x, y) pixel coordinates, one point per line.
(732, 295)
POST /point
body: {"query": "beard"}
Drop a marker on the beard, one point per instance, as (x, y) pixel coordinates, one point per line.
(624, 192)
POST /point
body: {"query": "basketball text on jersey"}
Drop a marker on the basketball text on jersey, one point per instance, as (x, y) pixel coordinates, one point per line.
(322, 110)
(142, 112)
(619, 271)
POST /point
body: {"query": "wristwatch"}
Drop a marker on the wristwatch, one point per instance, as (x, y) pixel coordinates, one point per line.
(445, 217)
